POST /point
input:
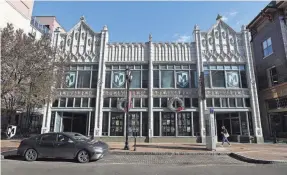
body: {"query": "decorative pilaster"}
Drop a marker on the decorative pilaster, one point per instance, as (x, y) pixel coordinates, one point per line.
(101, 81)
(252, 86)
(47, 108)
(201, 101)
(150, 95)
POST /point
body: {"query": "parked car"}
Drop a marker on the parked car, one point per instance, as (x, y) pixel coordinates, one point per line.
(66, 145)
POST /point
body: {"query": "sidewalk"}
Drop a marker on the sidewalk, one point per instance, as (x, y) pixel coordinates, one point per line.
(248, 152)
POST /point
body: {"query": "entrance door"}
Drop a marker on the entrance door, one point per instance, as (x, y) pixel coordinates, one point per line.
(79, 123)
(75, 122)
(67, 124)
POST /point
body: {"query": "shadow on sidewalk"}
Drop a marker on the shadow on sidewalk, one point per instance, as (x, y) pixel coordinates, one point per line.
(170, 147)
(19, 158)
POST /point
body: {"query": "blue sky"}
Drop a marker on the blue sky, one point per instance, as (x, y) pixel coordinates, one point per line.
(133, 21)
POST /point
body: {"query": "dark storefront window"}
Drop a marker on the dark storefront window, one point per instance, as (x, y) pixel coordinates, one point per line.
(168, 124)
(137, 102)
(108, 79)
(209, 102)
(136, 81)
(167, 79)
(117, 124)
(55, 103)
(70, 102)
(92, 123)
(105, 126)
(106, 102)
(195, 102)
(163, 102)
(218, 78)
(95, 79)
(84, 79)
(187, 102)
(196, 123)
(156, 79)
(52, 122)
(184, 124)
(62, 102)
(77, 102)
(156, 102)
(85, 102)
(207, 79)
(144, 102)
(144, 124)
(250, 123)
(145, 75)
(156, 123)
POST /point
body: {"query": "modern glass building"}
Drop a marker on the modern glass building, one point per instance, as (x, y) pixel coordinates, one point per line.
(166, 77)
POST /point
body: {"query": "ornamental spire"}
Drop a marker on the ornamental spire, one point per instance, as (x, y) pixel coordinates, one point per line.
(218, 17)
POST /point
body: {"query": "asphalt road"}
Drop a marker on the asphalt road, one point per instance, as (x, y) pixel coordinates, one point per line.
(141, 165)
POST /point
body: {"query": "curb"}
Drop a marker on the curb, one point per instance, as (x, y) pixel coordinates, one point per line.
(12, 152)
(256, 161)
(167, 153)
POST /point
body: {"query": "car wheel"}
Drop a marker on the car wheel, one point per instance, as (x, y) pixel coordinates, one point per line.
(31, 155)
(83, 156)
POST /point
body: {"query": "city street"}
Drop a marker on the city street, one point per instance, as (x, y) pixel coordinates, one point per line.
(137, 164)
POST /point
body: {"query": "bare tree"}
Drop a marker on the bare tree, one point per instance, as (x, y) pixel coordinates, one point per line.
(28, 69)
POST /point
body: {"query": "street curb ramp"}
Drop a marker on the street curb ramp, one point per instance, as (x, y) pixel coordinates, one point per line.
(165, 153)
(256, 161)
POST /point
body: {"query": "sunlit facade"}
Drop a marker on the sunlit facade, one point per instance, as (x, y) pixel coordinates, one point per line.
(166, 76)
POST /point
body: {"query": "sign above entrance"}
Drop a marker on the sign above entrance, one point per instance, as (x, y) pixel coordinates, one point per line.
(227, 93)
(76, 93)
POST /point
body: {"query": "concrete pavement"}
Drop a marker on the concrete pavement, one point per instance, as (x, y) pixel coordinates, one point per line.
(144, 167)
(260, 152)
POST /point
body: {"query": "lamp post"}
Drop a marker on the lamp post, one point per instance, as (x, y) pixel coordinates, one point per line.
(128, 82)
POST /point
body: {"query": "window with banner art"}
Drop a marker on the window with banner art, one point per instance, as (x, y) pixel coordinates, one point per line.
(168, 124)
(81, 76)
(117, 124)
(134, 126)
(116, 76)
(174, 76)
(225, 76)
(184, 124)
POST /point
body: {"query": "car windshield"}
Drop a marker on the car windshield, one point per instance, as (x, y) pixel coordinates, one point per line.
(77, 136)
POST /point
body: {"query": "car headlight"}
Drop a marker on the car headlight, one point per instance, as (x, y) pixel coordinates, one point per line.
(98, 150)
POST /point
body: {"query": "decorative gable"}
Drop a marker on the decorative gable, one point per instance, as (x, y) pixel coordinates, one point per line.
(81, 42)
(221, 44)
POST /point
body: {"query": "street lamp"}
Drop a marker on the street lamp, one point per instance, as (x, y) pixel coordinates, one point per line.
(128, 82)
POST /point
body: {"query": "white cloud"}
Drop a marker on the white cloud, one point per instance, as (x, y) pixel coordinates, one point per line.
(224, 18)
(182, 38)
(234, 13)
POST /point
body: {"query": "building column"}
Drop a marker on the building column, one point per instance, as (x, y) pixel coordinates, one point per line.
(101, 82)
(252, 87)
(46, 118)
(201, 101)
(150, 88)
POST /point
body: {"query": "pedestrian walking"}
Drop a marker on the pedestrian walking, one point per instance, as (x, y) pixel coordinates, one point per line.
(225, 135)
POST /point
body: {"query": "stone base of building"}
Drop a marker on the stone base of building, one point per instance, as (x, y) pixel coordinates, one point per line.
(152, 139)
(259, 139)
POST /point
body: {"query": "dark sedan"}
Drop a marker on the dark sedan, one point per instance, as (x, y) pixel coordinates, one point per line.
(66, 145)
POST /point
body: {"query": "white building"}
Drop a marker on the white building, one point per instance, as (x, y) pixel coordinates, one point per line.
(91, 101)
(16, 12)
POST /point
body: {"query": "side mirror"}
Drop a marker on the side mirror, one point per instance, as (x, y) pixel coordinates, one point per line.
(70, 141)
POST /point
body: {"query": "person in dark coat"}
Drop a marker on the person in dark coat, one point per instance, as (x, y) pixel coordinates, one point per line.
(225, 135)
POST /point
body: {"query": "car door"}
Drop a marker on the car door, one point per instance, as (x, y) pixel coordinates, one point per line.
(64, 147)
(46, 145)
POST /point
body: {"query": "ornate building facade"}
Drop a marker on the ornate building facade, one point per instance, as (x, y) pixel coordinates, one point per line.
(166, 77)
